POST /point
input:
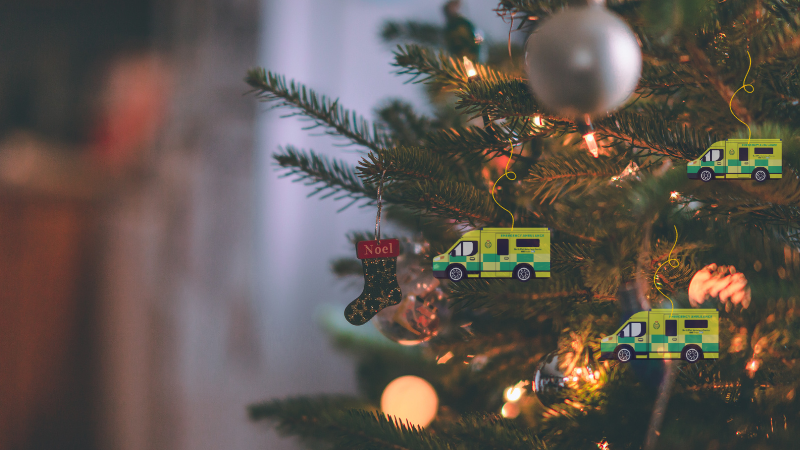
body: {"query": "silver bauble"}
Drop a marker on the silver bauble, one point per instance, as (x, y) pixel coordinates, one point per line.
(583, 61)
(549, 383)
(412, 321)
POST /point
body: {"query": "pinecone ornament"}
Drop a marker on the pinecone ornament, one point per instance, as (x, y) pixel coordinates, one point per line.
(719, 281)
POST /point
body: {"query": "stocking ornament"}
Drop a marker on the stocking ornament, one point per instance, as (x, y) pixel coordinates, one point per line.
(379, 260)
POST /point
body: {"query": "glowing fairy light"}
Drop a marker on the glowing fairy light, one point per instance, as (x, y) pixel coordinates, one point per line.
(591, 143)
(537, 120)
(674, 195)
(602, 445)
(470, 67)
(513, 393)
(752, 366)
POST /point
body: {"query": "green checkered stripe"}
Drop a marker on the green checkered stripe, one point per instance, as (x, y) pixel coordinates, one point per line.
(470, 265)
(661, 343)
(539, 261)
(773, 165)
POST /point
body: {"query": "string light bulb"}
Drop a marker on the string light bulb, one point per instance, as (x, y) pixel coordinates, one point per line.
(586, 129)
(472, 74)
(752, 366)
(514, 393)
(537, 120)
(591, 143)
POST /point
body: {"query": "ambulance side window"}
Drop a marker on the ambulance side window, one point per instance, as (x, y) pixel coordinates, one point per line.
(626, 332)
(671, 328)
(469, 248)
(743, 154)
(528, 243)
(457, 250)
(695, 324)
(502, 246)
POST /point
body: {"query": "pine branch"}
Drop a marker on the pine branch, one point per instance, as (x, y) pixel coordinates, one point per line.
(403, 123)
(438, 69)
(473, 144)
(272, 88)
(450, 200)
(701, 61)
(642, 127)
(330, 418)
(544, 8)
(569, 256)
(503, 297)
(334, 176)
(485, 431)
(571, 172)
(404, 164)
(673, 140)
(503, 99)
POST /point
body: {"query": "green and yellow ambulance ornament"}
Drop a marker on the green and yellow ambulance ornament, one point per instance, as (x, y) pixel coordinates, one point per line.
(687, 334)
(757, 159)
(520, 253)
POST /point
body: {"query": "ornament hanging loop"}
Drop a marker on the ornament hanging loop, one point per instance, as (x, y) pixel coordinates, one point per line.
(380, 204)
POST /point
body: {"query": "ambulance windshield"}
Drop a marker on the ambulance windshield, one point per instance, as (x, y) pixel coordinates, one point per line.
(633, 329)
(715, 154)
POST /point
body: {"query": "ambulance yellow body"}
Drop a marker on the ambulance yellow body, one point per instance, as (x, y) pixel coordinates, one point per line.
(759, 159)
(688, 334)
(521, 253)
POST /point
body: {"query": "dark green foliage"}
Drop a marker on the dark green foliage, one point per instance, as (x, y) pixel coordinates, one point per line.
(334, 177)
(412, 31)
(609, 230)
(272, 88)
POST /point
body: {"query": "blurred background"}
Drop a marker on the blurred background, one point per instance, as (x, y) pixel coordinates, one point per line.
(156, 273)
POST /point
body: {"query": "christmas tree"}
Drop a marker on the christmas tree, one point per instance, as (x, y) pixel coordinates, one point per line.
(518, 364)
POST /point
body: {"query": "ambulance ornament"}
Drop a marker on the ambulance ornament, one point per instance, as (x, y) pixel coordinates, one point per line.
(757, 159)
(520, 253)
(687, 334)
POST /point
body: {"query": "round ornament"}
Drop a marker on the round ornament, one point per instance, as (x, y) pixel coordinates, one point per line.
(550, 384)
(413, 321)
(410, 398)
(583, 61)
(418, 316)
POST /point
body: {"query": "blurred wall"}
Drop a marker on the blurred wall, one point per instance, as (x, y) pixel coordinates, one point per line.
(217, 272)
(180, 351)
(333, 47)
